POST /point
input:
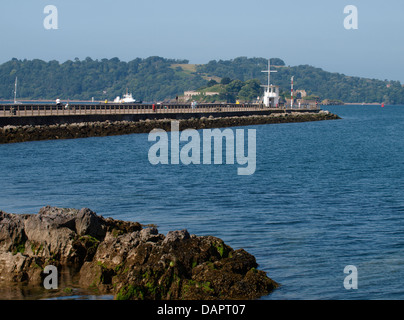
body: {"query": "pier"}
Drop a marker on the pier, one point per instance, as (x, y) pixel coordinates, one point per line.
(48, 114)
(29, 109)
(34, 122)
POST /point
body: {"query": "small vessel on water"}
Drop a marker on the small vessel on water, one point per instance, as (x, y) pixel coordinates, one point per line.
(127, 98)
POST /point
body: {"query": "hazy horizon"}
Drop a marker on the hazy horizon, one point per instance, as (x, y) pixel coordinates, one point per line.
(300, 33)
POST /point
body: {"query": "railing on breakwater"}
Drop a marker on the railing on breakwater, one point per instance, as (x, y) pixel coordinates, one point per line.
(21, 110)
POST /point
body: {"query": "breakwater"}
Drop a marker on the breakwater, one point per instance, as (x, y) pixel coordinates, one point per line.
(36, 128)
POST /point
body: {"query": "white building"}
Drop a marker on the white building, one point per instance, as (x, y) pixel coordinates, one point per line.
(271, 93)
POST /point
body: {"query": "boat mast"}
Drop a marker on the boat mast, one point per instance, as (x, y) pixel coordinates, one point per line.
(291, 93)
(269, 74)
(15, 91)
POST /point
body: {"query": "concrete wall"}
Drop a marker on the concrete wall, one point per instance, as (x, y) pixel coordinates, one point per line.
(51, 120)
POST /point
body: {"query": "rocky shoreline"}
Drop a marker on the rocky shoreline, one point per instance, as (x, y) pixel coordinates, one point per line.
(15, 134)
(123, 259)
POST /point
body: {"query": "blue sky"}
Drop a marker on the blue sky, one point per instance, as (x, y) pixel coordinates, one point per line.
(299, 32)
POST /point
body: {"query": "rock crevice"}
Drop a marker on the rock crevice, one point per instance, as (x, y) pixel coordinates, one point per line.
(125, 258)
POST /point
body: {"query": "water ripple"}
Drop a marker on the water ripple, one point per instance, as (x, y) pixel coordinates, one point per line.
(325, 195)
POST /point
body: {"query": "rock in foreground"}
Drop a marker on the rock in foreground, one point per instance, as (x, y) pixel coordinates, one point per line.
(124, 258)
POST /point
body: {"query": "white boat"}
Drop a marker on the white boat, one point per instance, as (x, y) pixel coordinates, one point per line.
(127, 98)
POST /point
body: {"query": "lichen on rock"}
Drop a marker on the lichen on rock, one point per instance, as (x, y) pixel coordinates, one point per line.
(125, 258)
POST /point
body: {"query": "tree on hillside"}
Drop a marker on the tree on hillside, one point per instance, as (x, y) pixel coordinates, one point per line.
(157, 78)
(148, 79)
(250, 90)
(316, 81)
(225, 80)
(211, 83)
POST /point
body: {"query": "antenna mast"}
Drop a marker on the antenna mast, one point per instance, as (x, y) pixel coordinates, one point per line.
(15, 91)
(291, 93)
(269, 73)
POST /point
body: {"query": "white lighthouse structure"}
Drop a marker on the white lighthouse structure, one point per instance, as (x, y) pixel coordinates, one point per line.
(271, 93)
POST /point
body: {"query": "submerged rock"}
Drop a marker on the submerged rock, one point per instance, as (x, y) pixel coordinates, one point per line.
(124, 258)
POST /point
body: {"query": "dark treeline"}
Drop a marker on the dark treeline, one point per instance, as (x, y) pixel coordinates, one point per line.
(148, 79)
(316, 82)
(156, 78)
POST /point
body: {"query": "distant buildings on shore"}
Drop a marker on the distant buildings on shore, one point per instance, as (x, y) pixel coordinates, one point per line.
(189, 95)
(300, 98)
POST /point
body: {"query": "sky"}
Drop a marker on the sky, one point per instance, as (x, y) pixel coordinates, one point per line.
(299, 32)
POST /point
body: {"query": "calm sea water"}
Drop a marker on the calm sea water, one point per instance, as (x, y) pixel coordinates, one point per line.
(325, 195)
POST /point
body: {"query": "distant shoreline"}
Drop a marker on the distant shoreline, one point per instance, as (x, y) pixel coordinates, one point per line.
(363, 104)
(96, 102)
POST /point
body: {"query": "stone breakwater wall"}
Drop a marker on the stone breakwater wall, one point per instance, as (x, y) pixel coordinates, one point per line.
(123, 258)
(23, 133)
